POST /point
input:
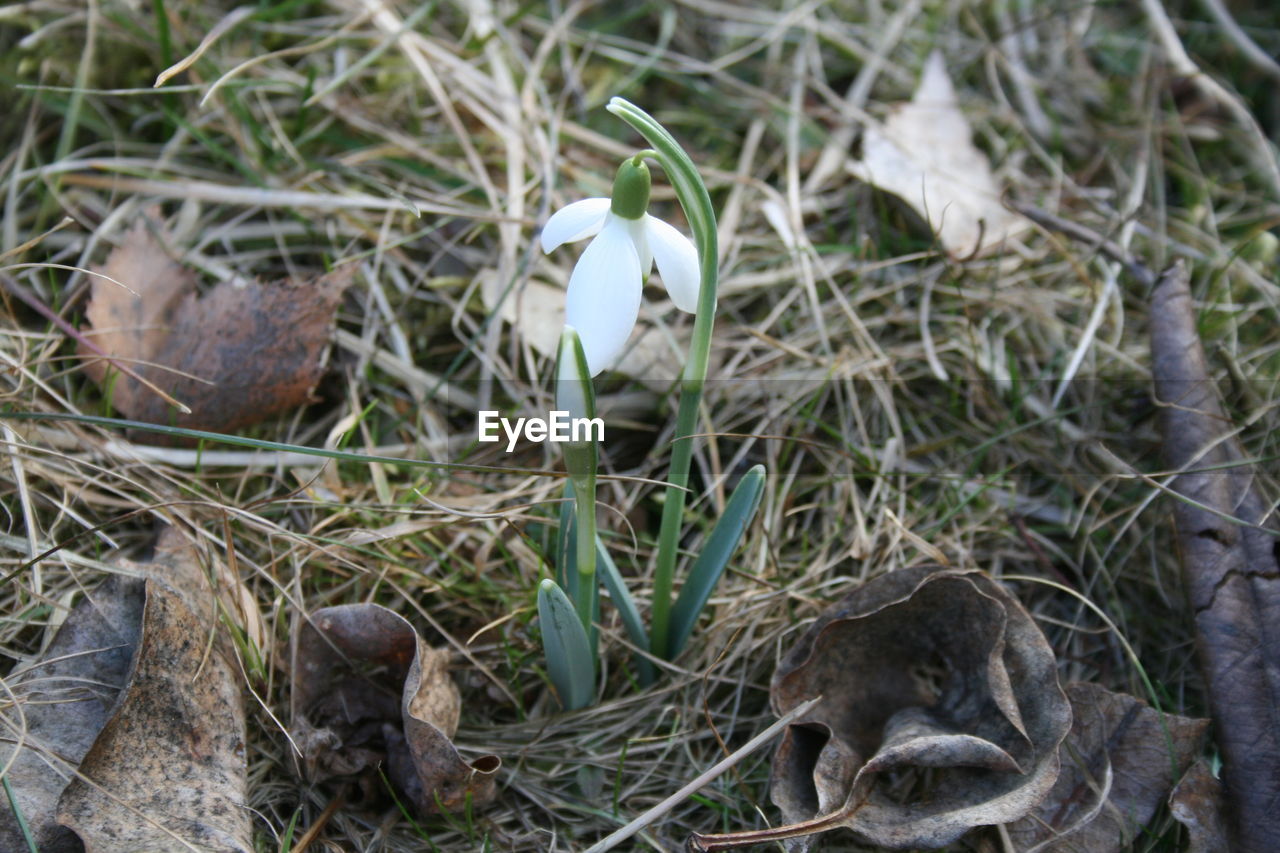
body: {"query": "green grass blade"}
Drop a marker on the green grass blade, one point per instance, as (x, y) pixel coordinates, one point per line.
(709, 565)
(565, 644)
(24, 829)
(262, 444)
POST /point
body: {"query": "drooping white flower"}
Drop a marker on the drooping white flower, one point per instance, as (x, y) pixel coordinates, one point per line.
(603, 300)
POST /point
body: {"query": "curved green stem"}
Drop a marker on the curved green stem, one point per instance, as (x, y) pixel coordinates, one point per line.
(696, 202)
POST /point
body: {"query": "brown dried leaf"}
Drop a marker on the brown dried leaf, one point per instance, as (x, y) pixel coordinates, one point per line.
(62, 703)
(1231, 564)
(143, 710)
(168, 770)
(235, 356)
(1118, 764)
(943, 682)
(367, 688)
(1196, 803)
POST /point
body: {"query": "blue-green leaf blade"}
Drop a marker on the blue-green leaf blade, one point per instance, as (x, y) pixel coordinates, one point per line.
(710, 563)
(564, 642)
(566, 558)
(626, 607)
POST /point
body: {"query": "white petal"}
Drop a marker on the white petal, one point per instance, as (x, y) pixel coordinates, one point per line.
(575, 222)
(604, 294)
(677, 262)
(640, 236)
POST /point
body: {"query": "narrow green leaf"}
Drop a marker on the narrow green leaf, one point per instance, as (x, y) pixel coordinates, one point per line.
(258, 443)
(709, 565)
(566, 557)
(24, 829)
(565, 644)
(626, 607)
(574, 583)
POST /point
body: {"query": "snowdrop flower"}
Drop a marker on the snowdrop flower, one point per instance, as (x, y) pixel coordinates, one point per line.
(603, 300)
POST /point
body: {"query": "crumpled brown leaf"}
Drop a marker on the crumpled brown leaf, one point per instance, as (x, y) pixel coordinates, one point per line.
(366, 687)
(136, 694)
(941, 711)
(1119, 763)
(235, 356)
(1196, 803)
(1227, 539)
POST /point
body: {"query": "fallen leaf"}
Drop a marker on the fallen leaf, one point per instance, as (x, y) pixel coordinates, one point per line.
(536, 312)
(924, 154)
(1227, 539)
(235, 356)
(134, 720)
(1119, 763)
(1196, 803)
(940, 711)
(168, 770)
(367, 690)
(61, 703)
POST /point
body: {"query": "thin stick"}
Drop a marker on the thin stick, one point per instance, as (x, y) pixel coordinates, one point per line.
(613, 840)
(1074, 230)
(313, 831)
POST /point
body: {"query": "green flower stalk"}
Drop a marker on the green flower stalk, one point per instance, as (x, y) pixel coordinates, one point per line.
(696, 202)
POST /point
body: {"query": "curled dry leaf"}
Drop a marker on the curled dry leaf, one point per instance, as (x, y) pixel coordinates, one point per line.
(1229, 543)
(235, 356)
(367, 688)
(1119, 763)
(134, 722)
(924, 154)
(940, 711)
(1196, 803)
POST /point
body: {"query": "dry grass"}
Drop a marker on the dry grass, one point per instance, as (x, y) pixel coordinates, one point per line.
(908, 407)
